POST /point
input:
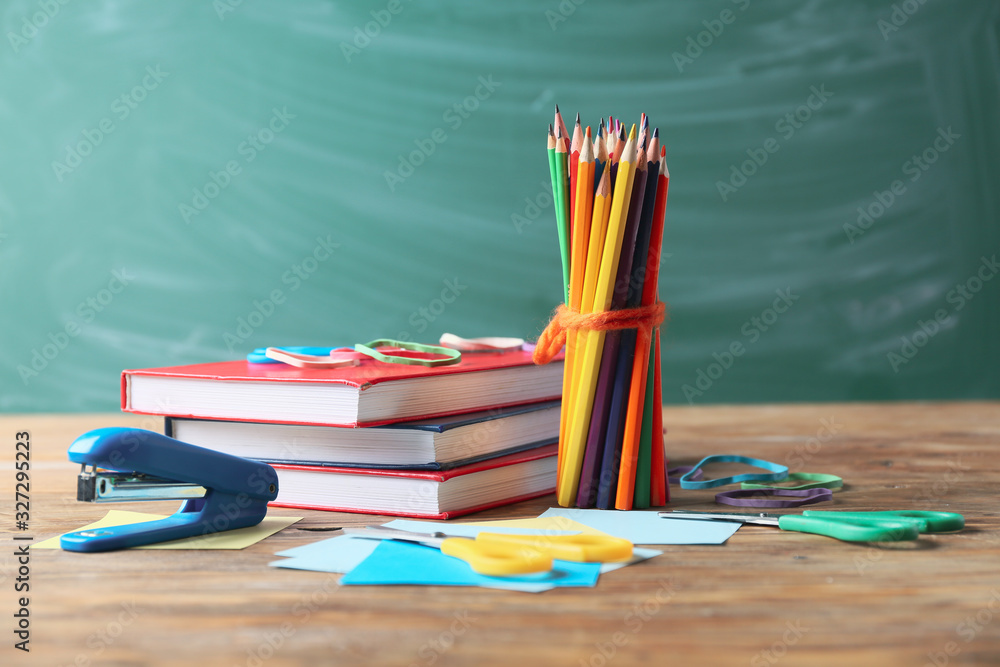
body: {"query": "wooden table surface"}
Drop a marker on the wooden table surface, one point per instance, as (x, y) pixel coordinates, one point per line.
(766, 597)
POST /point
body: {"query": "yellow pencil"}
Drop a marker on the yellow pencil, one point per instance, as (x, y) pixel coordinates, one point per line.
(593, 341)
(598, 231)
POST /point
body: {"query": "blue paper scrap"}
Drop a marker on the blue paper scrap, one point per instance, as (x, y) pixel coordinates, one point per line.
(648, 528)
(395, 562)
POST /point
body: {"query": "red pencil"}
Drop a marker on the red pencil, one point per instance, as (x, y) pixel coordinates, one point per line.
(659, 492)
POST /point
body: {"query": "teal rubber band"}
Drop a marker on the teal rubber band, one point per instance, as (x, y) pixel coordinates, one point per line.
(778, 472)
(449, 357)
(814, 480)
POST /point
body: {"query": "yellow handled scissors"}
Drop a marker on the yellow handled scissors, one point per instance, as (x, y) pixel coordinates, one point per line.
(502, 554)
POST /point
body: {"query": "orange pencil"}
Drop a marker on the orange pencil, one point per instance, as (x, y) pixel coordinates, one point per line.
(584, 201)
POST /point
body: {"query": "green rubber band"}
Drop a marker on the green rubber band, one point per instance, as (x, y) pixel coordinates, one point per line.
(449, 357)
(814, 480)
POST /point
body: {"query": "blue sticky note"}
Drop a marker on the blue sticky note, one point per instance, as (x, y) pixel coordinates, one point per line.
(648, 528)
(466, 530)
(337, 554)
(404, 563)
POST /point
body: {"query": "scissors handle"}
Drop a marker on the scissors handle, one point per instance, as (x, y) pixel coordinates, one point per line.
(497, 559)
(850, 529)
(926, 522)
(578, 548)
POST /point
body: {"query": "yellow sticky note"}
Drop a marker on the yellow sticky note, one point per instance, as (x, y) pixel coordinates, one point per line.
(240, 538)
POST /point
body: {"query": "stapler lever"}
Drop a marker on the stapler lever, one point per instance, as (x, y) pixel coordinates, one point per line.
(220, 491)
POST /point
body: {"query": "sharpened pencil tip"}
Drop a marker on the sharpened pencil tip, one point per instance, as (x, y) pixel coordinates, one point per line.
(656, 133)
(631, 133)
(577, 117)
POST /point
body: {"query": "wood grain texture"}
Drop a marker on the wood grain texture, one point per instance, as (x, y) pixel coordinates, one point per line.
(766, 597)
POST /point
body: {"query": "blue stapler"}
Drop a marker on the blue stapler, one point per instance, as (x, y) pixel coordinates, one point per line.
(220, 491)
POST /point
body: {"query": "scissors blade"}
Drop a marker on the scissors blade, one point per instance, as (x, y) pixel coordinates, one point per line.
(383, 533)
(756, 518)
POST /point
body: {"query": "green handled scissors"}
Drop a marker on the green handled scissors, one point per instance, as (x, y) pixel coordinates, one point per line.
(893, 526)
(502, 554)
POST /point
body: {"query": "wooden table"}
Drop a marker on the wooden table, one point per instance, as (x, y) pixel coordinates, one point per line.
(766, 597)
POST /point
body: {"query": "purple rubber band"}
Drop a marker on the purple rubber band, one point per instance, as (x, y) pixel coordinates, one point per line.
(765, 497)
(674, 474)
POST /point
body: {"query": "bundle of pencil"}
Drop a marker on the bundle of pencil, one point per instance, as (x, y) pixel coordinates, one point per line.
(610, 193)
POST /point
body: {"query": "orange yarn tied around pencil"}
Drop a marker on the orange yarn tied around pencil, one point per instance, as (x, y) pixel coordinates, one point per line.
(553, 338)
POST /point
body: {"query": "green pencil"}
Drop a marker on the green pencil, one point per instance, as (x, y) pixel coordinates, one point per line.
(560, 192)
(641, 498)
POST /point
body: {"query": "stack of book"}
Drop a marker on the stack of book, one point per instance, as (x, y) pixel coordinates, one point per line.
(376, 438)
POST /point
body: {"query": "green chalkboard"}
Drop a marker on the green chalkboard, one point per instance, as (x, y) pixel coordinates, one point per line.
(185, 181)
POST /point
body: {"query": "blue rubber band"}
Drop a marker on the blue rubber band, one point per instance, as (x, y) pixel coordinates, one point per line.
(778, 472)
(674, 474)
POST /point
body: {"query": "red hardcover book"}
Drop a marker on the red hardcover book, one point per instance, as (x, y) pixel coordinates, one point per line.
(370, 394)
(439, 494)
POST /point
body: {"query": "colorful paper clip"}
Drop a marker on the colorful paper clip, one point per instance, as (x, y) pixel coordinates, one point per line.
(220, 491)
